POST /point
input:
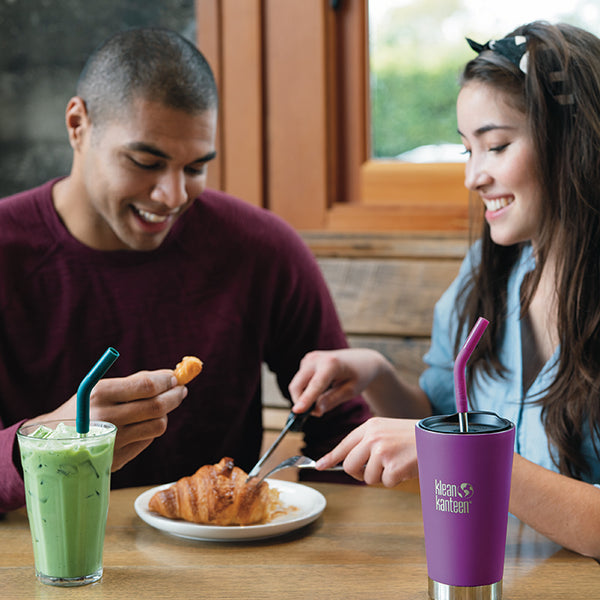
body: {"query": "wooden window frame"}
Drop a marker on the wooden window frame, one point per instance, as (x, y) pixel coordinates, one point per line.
(293, 125)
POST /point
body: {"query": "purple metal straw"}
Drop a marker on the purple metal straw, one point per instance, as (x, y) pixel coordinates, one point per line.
(460, 365)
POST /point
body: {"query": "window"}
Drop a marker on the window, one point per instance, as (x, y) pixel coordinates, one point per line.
(416, 51)
(295, 119)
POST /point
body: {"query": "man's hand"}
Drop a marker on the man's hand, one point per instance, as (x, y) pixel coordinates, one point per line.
(138, 405)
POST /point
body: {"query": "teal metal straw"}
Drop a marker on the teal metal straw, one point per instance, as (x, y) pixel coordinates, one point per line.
(82, 421)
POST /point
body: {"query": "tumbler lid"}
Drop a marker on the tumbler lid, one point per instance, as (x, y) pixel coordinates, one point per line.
(479, 422)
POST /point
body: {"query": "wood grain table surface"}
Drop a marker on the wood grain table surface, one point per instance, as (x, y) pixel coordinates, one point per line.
(368, 543)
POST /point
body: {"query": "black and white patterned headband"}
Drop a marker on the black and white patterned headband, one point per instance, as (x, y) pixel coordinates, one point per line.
(512, 48)
(515, 50)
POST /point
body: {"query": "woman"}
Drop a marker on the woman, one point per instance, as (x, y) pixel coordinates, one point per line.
(528, 113)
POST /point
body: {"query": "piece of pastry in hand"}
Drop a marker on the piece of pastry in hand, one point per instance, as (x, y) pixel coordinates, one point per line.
(218, 495)
(187, 369)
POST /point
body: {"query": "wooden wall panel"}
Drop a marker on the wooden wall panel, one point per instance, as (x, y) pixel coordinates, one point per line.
(242, 105)
(209, 39)
(351, 144)
(405, 353)
(448, 246)
(387, 297)
(296, 107)
(230, 36)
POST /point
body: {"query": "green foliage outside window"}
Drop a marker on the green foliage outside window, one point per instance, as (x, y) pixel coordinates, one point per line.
(414, 70)
(413, 109)
(418, 49)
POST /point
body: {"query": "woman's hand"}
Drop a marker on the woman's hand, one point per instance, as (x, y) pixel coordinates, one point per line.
(329, 378)
(381, 450)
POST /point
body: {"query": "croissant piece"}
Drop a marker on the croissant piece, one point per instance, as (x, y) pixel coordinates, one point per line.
(187, 369)
(217, 495)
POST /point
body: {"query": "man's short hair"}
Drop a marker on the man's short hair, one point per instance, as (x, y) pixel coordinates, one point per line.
(150, 63)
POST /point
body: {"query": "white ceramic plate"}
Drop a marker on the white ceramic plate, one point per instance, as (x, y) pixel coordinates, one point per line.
(309, 504)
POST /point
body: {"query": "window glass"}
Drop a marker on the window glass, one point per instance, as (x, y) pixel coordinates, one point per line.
(417, 49)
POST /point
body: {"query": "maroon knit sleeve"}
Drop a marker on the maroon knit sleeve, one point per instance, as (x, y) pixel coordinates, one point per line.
(12, 493)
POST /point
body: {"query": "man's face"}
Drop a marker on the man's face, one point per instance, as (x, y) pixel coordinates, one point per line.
(138, 173)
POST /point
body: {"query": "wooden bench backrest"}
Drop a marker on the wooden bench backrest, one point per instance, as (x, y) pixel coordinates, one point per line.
(385, 287)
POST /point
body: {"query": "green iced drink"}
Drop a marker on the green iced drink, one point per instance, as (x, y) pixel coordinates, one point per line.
(67, 484)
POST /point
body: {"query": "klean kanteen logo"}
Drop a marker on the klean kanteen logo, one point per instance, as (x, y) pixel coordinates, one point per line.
(452, 497)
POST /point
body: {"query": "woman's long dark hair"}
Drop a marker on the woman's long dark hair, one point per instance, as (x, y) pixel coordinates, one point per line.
(560, 96)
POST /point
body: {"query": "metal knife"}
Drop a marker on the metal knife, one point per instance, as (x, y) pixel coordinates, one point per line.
(295, 422)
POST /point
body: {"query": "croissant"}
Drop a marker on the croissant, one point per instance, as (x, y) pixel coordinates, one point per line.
(217, 495)
(187, 369)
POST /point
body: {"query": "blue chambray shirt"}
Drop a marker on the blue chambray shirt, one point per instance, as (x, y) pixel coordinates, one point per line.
(504, 396)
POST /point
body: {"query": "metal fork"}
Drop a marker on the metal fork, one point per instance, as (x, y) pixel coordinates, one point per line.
(300, 462)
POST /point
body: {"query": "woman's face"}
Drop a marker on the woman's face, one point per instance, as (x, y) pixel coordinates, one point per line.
(501, 166)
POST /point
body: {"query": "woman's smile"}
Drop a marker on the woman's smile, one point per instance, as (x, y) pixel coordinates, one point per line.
(501, 165)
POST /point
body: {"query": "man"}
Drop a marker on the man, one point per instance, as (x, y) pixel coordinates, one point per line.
(131, 251)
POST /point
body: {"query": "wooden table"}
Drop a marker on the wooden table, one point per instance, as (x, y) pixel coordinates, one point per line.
(367, 544)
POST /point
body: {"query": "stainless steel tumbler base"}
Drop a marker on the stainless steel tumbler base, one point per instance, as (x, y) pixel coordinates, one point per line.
(443, 591)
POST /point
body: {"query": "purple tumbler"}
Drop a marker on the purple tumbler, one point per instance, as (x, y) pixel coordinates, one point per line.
(464, 478)
(465, 465)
